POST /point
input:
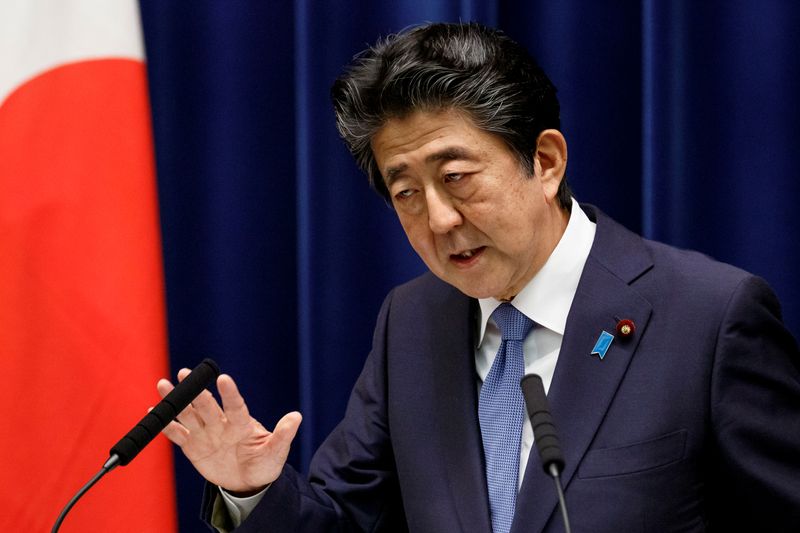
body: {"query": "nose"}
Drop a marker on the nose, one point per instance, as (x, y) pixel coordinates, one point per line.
(442, 213)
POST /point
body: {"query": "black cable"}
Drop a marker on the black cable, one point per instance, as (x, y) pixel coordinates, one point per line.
(561, 500)
(110, 464)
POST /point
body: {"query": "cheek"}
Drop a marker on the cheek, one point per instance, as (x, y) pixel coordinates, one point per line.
(417, 233)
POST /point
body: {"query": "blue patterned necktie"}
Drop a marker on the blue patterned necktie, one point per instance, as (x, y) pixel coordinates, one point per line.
(501, 409)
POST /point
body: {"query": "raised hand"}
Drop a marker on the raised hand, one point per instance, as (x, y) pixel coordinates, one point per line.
(225, 444)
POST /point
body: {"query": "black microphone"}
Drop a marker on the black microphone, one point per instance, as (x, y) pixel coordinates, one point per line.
(165, 412)
(544, 434)
(148, 427)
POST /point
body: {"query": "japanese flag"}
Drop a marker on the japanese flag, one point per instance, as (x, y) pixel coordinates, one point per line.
(82, 325)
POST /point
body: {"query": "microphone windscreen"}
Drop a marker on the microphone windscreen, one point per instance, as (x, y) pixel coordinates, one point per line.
(544, 431)
(167, 409)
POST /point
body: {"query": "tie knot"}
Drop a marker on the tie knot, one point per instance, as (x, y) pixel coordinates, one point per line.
(514, 326)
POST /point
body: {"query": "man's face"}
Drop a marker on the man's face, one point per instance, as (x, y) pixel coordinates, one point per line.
(469, 209)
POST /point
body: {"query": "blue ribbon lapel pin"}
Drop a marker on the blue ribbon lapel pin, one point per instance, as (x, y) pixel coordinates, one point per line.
(602, 344)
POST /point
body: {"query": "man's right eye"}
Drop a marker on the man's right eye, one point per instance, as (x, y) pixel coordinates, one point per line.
(404, 194)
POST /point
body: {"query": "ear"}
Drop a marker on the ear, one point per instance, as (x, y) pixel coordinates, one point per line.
(550, 161)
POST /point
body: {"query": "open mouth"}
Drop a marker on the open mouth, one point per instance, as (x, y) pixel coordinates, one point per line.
(467, 256)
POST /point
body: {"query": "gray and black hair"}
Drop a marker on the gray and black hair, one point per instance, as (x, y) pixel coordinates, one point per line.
(467, 67)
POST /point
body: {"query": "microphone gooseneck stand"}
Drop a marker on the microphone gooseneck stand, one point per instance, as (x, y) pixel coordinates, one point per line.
(112, 463)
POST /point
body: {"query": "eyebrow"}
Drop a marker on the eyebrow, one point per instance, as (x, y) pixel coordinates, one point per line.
(449, 153)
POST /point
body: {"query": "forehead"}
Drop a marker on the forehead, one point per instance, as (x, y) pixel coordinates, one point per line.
(425, 136)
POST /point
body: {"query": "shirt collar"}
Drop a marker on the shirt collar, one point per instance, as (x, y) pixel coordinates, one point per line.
(547, 297)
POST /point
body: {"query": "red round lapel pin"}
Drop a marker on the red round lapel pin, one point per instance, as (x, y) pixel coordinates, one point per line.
(625, 328)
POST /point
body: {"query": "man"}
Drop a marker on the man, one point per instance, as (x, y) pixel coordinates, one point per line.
(689, 420)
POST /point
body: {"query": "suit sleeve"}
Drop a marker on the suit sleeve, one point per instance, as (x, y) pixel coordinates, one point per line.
(352, 485)
(755, 410)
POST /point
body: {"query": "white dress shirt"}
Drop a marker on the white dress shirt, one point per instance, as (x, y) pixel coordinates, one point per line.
(546, 300)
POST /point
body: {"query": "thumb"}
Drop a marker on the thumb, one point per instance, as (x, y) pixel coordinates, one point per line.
(285, 432)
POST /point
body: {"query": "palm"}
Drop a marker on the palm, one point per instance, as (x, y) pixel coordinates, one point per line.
(239, 458)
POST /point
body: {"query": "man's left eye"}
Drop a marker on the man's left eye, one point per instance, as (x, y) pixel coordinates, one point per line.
(453, 176)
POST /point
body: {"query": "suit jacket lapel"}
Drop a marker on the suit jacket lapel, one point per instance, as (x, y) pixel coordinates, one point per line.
(583, 385)
(457, 414)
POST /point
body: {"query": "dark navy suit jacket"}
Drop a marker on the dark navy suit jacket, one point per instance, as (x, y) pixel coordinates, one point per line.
(690, 424)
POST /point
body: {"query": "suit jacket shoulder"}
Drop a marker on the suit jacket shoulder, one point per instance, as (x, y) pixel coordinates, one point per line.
(674, 419)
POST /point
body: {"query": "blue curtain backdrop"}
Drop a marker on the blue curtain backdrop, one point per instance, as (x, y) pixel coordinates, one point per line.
(682, 121)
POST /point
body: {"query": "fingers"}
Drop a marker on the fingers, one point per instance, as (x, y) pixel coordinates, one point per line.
(204, 413)
(208, 410)
(200, 412)
(164, 387)
(176, 433)
(232, 402)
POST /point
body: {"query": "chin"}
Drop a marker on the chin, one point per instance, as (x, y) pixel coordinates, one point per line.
(468, 286)
(472, 291)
